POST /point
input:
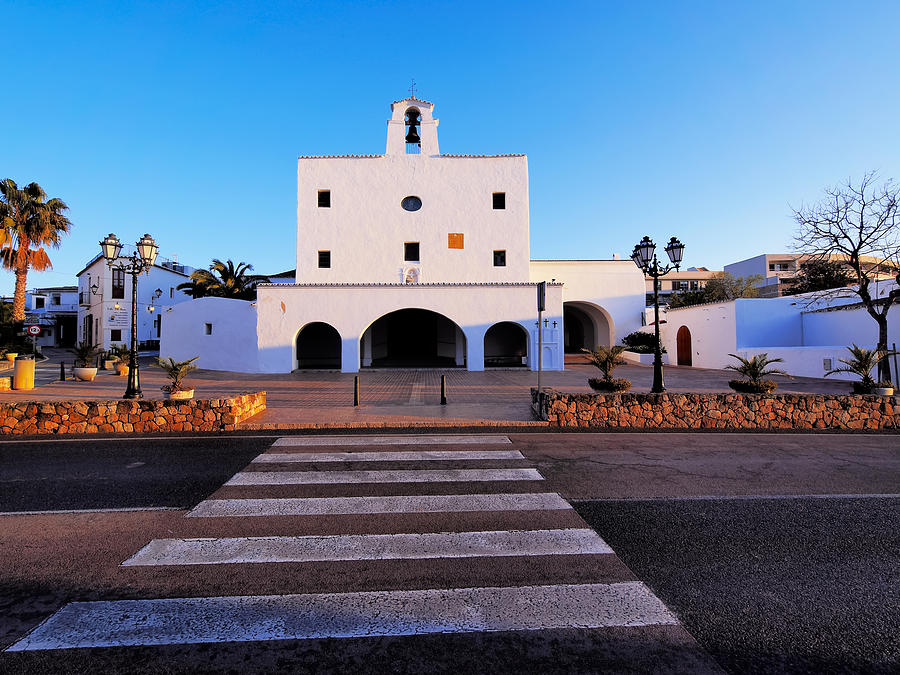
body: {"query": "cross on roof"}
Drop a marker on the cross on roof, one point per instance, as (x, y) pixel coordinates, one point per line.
(412, 89)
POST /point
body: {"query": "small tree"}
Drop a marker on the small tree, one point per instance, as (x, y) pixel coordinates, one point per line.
(177, 371)
(858, 223)
(607, 359)
(862, 362)
(754, 370)
(721, 287)
(818, 275)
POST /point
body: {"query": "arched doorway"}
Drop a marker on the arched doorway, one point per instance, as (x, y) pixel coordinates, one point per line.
(318, 346)
(585, 326)
(413, 338)
(683, 346)
(505, 345)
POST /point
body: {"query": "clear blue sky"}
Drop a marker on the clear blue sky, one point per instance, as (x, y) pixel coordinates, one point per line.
(703, 120)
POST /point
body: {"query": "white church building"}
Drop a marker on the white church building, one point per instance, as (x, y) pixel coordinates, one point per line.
(412, 258)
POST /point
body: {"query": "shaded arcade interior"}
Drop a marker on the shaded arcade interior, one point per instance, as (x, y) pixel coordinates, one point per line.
(585, 326)
(413, 338)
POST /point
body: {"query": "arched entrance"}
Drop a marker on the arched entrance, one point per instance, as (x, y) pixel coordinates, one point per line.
(413, 338)
(585, 326)
(505, 345)
(318, 346)
(683, 346)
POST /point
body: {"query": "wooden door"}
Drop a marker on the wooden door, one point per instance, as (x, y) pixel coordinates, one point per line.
(683, 340)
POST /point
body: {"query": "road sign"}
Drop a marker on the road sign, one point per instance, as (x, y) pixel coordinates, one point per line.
(34, 330)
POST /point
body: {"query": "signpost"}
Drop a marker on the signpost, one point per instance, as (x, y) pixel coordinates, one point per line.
(541, 306)
(33, 330)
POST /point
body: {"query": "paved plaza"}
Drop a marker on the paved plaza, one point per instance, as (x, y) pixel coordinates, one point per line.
(389, 397)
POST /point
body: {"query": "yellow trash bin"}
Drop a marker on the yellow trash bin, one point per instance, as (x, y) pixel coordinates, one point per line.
(23, 374)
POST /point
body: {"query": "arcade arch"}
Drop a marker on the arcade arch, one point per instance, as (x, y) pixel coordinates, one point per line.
(413, 338)
(318, 346)
(505, 345)
(586, 325)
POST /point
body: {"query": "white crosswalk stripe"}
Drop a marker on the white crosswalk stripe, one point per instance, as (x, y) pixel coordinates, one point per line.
(123, 623)
(444, 439)
(310, 506)
(398, 476)
(252, 495)
(368, 547)
(405, 456)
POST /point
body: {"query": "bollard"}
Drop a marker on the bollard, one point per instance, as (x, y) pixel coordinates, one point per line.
(23, 374)
(62, 371)
(356, 390)
(443, 390)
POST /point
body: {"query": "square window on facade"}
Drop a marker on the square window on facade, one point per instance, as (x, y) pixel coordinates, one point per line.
(115, 335)
(455, 240)
(207, 329)
(39, 303)
(499, 200)
(324, 199)
(411, 251)
(56, 300)
(171, 292)
(324, 259)
(499, 258)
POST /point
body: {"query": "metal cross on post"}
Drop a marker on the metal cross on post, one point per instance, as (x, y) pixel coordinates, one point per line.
(412, 89)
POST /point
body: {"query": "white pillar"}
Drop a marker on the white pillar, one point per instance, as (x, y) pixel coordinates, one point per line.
(474, 350)
(349, 354)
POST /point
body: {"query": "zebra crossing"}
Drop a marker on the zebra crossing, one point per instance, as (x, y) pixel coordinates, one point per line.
(494, 550)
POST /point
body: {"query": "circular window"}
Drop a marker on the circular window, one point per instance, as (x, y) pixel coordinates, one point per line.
(411, 203)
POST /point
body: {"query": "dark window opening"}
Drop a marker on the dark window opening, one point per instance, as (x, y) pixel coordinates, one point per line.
(499, 200)
(324, 259)
(115, 335)
(207, 329)
(118, 284)
(56, 300)
(324, 199)
(499, 258)
(39, 303)
(413, 141)
(411, 203)
(411, 251)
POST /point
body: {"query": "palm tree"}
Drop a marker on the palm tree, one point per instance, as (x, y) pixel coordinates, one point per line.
(756, 367)
(862, 362)
(29, 223)
(607, 359)
(223, 280)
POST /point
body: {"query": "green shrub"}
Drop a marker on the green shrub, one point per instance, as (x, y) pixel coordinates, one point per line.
(641, 342)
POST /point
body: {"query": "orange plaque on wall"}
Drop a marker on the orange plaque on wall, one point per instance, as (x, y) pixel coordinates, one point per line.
(455, 240)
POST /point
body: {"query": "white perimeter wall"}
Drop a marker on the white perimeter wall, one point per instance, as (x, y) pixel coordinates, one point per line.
(365, 228)
(614, 286)
(713, 334)
(285, 310)
(846, 327)
(232, 345)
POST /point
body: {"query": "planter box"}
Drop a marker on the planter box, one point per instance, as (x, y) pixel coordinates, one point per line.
(85, 374)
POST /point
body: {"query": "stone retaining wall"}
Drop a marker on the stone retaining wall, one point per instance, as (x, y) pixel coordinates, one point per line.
(716, 411)
(128, 416)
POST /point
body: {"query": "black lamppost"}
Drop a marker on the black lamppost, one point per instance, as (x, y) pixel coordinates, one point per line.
(137, 263)
(644, 256)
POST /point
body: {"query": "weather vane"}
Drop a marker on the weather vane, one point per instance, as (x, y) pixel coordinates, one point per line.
(412, 89)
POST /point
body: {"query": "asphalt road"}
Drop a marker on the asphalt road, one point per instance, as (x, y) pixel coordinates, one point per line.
(778, 553)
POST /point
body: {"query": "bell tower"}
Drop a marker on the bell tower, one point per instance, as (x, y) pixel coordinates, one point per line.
(412, 130)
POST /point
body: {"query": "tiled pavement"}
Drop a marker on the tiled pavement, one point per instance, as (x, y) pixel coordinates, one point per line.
(391, 397)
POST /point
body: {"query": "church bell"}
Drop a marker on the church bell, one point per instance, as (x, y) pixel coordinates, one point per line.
(412, 136)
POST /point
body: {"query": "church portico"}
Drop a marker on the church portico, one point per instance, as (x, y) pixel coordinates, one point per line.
(406, 325)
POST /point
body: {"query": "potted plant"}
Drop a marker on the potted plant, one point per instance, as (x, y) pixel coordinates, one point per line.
(607, 359)
(884, 388)
(861, 363)
(754, 370)
(120, 354)
(177, 371)
(85, 354)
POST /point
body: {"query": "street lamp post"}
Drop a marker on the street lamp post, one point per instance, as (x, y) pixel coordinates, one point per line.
(137, 263)
(644, 256)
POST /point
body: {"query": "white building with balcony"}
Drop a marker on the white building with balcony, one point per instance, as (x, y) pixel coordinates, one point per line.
(55, 310)
(412, 258)
(104, 302)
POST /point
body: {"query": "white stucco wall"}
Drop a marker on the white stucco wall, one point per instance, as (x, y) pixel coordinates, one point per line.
(846, 327)
(232, 344)
(615, 287)
(713, 334)
(365, 228)
(806, 361)
(352, 308)
(768, 321)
